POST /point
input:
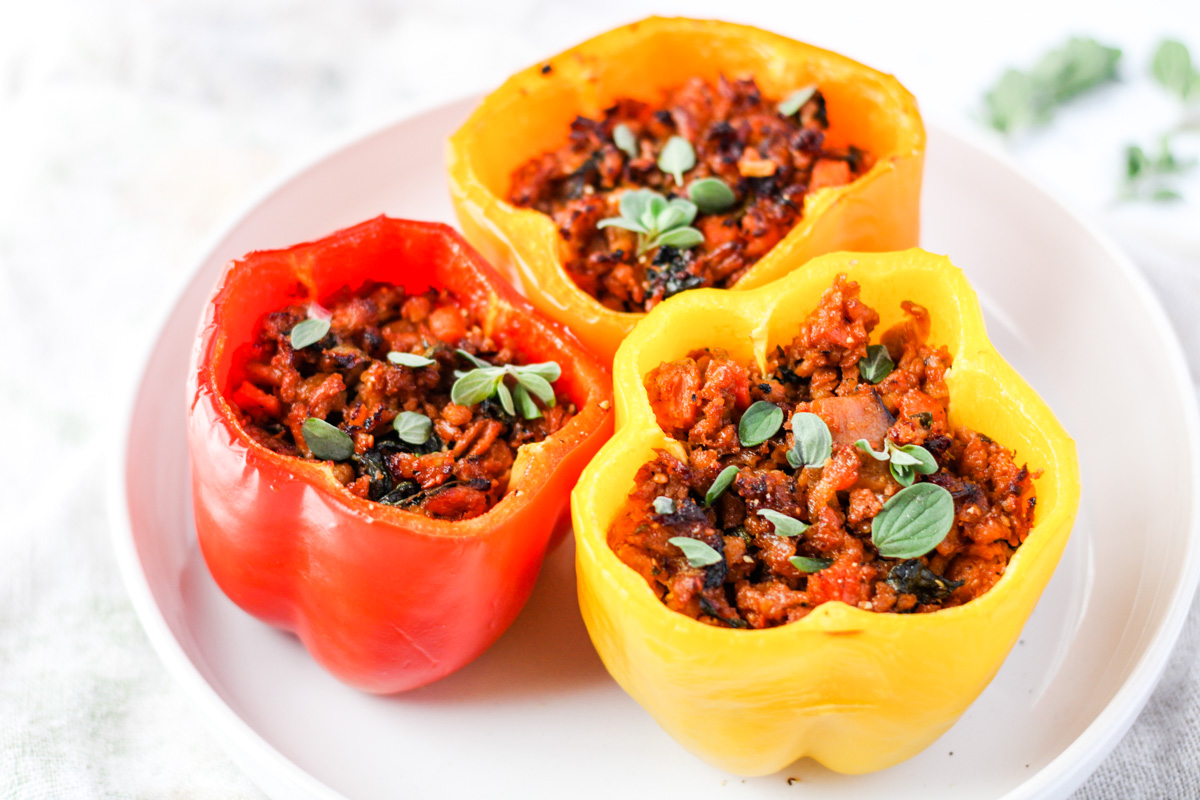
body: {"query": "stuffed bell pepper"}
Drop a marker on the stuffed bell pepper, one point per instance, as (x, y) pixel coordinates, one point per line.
(826, 514)
(674, 154)
(383, 436)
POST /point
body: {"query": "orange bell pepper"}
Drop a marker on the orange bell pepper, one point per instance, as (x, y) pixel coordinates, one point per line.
(384, 598)
(531, 114)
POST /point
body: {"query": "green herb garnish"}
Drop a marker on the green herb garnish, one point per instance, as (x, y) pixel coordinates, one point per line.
(909, 461)
(1146, 177)
(310, 331)
(664, 505)
(487, 380)
(784, 525)
(905, 463)
(877, 365)
(806, 564)
(913, 522)
(1022, 99)
(1149, 177)
(676, 158)
(625, 141)
(813, 441)
(697, 552)
(412, 427)
(1172, 68)
(711, 195)
(326, 442)
(795, 101)
(409, 359)
(656, 220)
(760, 422)
(720, 484)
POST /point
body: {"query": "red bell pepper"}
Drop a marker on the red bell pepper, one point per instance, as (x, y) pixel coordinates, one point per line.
(384, 598)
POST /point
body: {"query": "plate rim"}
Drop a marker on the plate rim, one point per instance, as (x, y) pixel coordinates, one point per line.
(257, 758)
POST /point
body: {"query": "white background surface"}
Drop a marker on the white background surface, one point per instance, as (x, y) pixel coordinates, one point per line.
(130, 131)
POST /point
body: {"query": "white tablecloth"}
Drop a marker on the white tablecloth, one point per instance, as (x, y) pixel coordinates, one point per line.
(130, 129)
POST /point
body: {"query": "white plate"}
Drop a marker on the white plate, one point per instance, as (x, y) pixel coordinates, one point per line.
(537, 713)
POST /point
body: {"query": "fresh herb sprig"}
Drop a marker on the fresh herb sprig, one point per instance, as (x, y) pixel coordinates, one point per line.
(487, 380)
(905, 462)
(1150, 177)
(1026, 99)
(656, 220)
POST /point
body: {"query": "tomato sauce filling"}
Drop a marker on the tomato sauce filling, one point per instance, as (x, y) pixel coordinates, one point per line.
(699, 401)
(769, 160)
(346, 379)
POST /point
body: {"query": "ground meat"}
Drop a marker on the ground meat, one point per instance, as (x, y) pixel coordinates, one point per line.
(346, 379)
(699, 401)
(769, 161)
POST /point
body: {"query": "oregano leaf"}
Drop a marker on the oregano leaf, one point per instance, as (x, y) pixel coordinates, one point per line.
(807, 564)
(784, 525)
(525, 404)
(720, 484)
(536, 385)
(409, 359)
(759, 423)
(711, 195)
(506, 398)
(877, 365)
(865, 447)
(683, 238)
(697, 552)
(326, 442)
(412, 427)
(913, 521)
(307, 332)
(813, 441)
(625, 141)
(795, 101)
(475, 386)
(677, 157)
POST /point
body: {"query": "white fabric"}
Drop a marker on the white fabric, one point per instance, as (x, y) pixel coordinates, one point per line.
(130, 129)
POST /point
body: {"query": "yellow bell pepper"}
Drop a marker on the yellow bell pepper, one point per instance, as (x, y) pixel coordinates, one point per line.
(856, 690)
(531, 114)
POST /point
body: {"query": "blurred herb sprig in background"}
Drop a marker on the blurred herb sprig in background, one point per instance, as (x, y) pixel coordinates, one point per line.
(1028, 99)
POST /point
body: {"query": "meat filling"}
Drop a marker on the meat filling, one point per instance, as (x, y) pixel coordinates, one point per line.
(453, 461)
(770, 160)
(700, 401)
